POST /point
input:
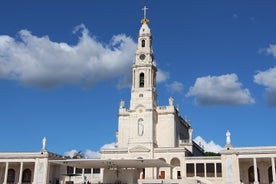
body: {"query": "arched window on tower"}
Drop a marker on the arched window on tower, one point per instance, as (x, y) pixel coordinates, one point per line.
(142, 80)
(143, 43)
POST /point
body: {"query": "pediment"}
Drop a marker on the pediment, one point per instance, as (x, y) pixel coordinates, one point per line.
(139, 149)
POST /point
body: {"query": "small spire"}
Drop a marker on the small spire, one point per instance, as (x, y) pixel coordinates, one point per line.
(145, 20)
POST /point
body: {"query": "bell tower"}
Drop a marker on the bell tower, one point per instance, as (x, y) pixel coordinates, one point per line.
(137, 124)
(144, 70)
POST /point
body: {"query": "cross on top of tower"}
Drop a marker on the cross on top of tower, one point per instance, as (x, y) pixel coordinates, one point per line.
(145, 11)
(145, 20)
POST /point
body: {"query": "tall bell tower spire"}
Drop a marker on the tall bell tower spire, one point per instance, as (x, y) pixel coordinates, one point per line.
(144, 69)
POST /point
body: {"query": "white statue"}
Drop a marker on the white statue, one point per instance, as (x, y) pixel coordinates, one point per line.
(171, 100)
(140, 128)
(44, 143)
(228, 139)
(122, 104)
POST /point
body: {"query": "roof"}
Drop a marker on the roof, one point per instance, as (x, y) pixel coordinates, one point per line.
(112, 163)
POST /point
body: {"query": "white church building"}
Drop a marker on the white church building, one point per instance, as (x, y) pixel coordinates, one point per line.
(154, 144)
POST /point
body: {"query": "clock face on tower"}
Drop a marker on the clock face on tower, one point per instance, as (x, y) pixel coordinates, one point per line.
(142, 56)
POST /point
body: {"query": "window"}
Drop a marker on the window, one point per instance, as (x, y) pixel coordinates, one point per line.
(210, 169)
(200, 170)
(27, 176)
(87, 171)
(96, 171)
(142, 80)
(143, 43)
(190, 170)
(11, 176)
(70, 170)
(179, 175)
(78, 170)
(219, 170)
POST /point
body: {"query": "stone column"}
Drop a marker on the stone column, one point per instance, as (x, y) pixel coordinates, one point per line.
(20, 173)
(6, 173)
(255, 171)
(215, 169)
(195, 171)
(273, 170)
(157, 173)
(205, 172)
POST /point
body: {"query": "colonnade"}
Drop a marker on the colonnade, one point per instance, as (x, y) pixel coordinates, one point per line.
(260, 173)
(18, 178)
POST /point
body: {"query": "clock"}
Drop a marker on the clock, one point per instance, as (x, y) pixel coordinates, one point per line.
(142, 56)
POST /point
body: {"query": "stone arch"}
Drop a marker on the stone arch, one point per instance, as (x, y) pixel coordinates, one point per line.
(143, 43)
(163, 159)
(11, 176)
(141, 80)
(27, 176)
(251, 174)
(175, 161)
(176, 171)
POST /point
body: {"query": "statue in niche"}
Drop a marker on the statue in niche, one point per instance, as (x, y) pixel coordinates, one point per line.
(140, 128)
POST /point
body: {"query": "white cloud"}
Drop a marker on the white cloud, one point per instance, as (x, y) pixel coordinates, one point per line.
(208, 146)
(38, 61)
(220, 90)
(175, 87)
(88, 153)
(71, 153)
(271, 50)
(109, 146)
(162, 76)
(92, 154)
(267, 78)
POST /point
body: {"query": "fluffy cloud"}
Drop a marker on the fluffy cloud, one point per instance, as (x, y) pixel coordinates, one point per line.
(220, 90)
(92, 154)
(71, 153)
(162, 76)
(87, 154)
(176, 87)
(267, 78)
(208, 146)
(271, 50)
(38, 61)
(109, 146)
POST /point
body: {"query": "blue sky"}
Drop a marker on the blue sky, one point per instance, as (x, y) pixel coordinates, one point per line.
(65, 65)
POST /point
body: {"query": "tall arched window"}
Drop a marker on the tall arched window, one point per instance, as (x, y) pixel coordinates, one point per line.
(27, 176)
(143, 43)
(142, 80)
(11, 176)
